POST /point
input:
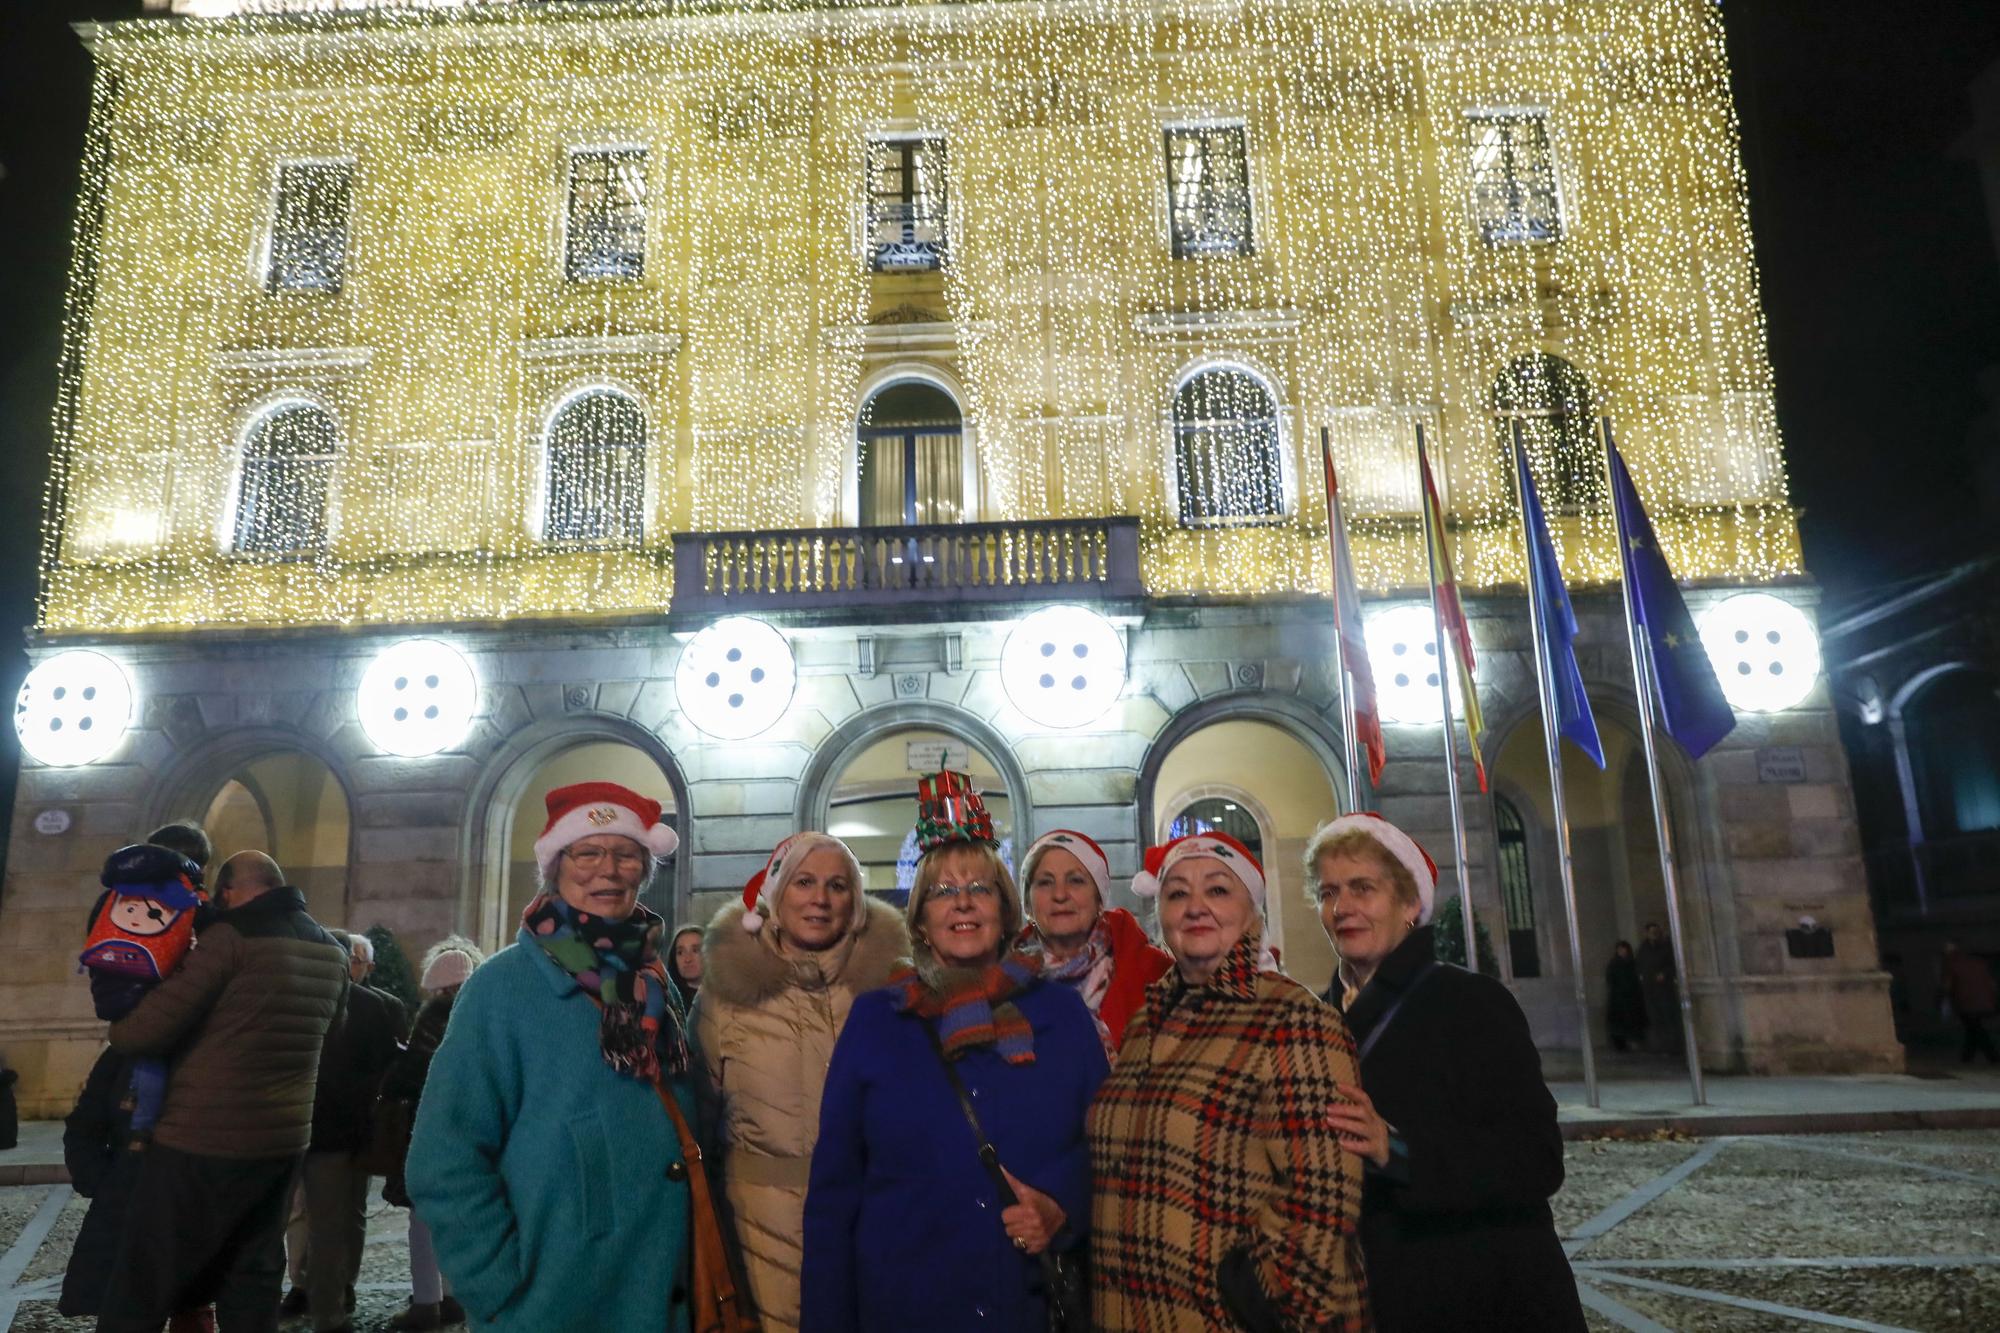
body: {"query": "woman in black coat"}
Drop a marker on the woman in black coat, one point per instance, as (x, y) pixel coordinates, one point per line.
(1625, 1002)
(1454, 1126)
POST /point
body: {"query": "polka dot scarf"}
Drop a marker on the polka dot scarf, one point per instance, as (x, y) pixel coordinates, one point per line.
(619, 964)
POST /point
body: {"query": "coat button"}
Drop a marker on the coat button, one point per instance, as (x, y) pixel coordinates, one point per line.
(979, 1310)
(982, 1203)
(677, 1171)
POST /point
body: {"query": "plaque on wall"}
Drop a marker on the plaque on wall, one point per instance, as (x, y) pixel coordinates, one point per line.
(930, 756)
(49, 823)
(1781, 763)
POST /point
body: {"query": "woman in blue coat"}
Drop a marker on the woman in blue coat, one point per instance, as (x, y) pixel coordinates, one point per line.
(897, 1164)
(543, 1156)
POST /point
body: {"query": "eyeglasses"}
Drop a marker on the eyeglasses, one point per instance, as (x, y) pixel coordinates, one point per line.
(590, 858)
(952, 893)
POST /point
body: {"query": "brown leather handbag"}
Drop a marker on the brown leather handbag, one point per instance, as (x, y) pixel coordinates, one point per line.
(717, 1306)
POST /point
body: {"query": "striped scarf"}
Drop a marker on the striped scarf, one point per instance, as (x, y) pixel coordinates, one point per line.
(618, 964)
(974, 1006)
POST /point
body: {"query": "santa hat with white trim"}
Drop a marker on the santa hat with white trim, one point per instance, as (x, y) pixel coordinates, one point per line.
(1080, 845)
(585, 809)
(1398, 844)
(760, 894)
(1161, 859)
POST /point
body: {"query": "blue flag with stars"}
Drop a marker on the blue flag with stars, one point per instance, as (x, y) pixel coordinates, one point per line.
(1690, 697)
(1552, 608)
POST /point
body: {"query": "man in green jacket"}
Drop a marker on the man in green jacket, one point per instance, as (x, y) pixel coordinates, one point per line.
(243, 1021)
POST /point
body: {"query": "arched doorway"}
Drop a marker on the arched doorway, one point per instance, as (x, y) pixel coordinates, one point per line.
(910, 463)
(290, 806)
(871, 800)
(1262, 784)
(1951, 728)
(1616, 859)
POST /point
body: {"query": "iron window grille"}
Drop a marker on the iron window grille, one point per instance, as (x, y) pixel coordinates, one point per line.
(906, 204)
(1514, 192)
(1208, 190)
(1227, 464)
(1218, 814)
(596, 470)
(309, 223)
(606, 235)
(1553, 403)
(281, 500)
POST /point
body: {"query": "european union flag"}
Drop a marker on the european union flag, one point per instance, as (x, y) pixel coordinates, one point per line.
(1549, 599)
(1691, 702)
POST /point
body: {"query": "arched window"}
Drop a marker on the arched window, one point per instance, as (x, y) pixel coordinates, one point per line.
(1217, 814)
(288, 455)
(910, 450)
(1952, 728)
(596, 469)
(1226, 458)
(1517, 891)
(1553, 404)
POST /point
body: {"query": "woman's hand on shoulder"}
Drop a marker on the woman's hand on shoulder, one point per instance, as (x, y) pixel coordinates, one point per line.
(1361, 1129)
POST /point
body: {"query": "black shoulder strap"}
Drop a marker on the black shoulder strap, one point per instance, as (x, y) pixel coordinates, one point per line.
(989, 1157)
(1389, 1014)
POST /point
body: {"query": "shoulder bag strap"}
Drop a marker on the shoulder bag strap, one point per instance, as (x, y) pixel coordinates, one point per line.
(989, 1156)
(1389, 1014)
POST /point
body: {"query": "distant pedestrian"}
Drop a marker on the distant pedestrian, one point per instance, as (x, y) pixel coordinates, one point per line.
(1969, 985)
(685, 964)
(1099, 952)
(1655, 958)
(1625, 999)
(245, 1019)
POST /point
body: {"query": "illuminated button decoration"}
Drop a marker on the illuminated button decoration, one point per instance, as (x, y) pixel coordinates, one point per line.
(417, 698)
(736, 678)
(1063, 667)
(73, 709)
(1764, 650)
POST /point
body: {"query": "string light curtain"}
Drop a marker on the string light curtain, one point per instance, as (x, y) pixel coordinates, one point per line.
(1375, 292)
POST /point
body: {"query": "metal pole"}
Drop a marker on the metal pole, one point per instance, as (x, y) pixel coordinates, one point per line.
(1458, 849)
(1642, 680)
(1333, 528)
(1552, 742)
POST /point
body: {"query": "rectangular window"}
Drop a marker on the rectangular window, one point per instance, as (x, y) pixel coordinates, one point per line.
(1208, 190)
(906, 204)
(1514, 195)
(607, 214)
(309, 227)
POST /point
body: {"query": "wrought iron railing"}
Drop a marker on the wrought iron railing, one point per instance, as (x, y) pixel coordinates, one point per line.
(808, 568)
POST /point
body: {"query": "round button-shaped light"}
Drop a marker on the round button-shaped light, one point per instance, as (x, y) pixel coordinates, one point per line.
(1063, 666)
(736, 678)
(417, 698)
(73, 708)
(1403, 654)
(1764, 649)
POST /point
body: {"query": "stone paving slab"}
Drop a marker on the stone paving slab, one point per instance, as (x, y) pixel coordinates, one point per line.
(1858, 1103)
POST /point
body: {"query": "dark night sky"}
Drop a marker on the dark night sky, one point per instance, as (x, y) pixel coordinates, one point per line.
(1880, 278)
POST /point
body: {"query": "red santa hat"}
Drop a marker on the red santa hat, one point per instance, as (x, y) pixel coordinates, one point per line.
(1083, 848)
(760, 894)
(1394, 841)
(586, 809)
(1161, 859)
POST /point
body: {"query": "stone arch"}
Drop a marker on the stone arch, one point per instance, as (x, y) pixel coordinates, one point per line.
(1284, 710)
(486, 831)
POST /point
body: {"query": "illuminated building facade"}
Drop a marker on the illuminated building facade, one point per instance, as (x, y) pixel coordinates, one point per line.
(562, 333)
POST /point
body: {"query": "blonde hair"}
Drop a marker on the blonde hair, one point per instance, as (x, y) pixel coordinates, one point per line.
(1012, 916)
(1357, 842)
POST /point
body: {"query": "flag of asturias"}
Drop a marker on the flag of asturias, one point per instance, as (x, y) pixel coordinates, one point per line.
(1452, 611)
(1691, 703)
(1367, 720)
(1550, 601)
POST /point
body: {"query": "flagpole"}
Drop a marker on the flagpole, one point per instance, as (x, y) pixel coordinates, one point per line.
(1354, 801)
(1552, 743)
(1642, 681)
(1458, 846)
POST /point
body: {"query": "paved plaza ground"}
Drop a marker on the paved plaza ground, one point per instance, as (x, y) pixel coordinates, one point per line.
(1851, 1231)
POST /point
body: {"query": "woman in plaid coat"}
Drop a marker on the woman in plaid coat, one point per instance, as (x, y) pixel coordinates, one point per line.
(1224, 1199)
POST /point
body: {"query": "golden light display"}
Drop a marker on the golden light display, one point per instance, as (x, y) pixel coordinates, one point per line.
(1112, 332)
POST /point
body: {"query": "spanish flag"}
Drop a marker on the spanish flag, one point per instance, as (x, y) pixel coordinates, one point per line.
(1444, 589)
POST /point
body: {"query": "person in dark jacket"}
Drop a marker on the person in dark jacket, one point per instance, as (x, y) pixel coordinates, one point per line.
(327, 1248)
(1625, 1000)
(1455, 1128)
(1655, 957)
(245, 1018)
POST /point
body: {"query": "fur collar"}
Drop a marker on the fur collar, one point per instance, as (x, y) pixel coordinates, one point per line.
(745, 969)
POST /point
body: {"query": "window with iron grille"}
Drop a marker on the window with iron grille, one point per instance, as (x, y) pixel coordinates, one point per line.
(596, 469)
(1226, 448)
(1517, 890)
(1217, 814)
(906, 204)
(288, 456)
(1552, 403)
(1208, 190)
(607, 214)
(1514, 194)
(309, 227)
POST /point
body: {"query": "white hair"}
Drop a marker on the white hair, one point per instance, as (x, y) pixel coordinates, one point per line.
(360, 946)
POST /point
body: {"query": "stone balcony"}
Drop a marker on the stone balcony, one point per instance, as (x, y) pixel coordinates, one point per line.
(1089, 559)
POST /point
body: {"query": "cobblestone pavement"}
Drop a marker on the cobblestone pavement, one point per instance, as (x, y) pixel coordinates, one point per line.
(1860, 1231)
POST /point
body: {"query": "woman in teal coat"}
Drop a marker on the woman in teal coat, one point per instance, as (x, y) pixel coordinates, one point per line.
(543, 1156)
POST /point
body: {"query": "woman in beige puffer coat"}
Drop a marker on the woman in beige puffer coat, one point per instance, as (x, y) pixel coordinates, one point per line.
(781, 971)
